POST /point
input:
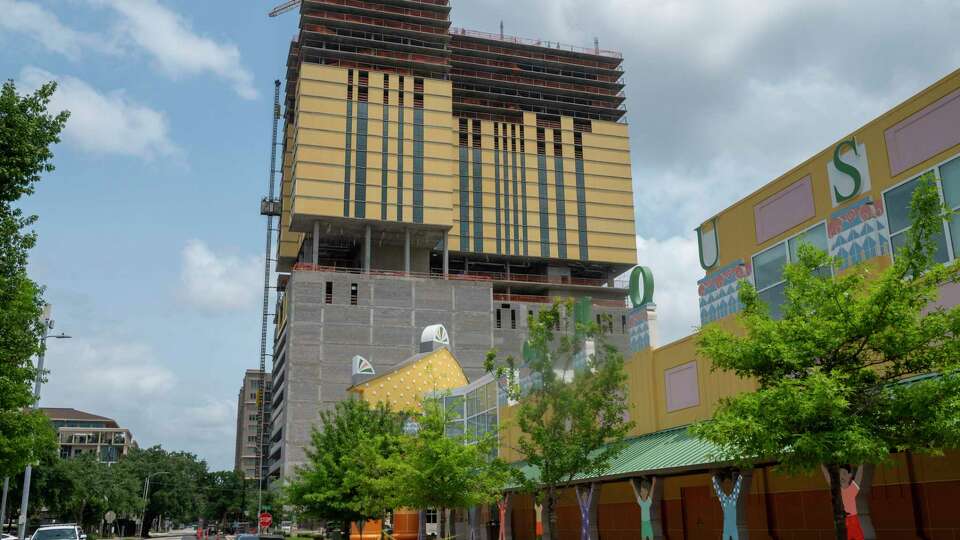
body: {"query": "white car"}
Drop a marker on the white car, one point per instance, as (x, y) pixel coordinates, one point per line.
(66, 531)
(5, 536)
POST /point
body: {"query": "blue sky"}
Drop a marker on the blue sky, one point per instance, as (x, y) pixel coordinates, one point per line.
(151, 244)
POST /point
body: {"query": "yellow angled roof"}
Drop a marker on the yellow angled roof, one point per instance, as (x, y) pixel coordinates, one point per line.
(405, 384)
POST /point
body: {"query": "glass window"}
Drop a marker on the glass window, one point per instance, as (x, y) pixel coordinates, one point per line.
(941, 256)
(454, 429)
(454, 406)
(774, 298)
(955, 235)
(897, 203)
(471, 408)
(768, 266)
(950, 177)
(64, 533)
(816, 236)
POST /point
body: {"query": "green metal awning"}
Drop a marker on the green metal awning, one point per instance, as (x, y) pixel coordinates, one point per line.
(663, 453)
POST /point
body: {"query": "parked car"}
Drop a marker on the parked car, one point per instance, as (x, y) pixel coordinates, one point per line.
(5, 536)
(63, 531)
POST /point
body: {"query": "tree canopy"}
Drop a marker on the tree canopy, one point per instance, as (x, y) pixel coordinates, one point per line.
(27, 131)
(861, 363)
(438, 470)
(572, 415)
(345, 477)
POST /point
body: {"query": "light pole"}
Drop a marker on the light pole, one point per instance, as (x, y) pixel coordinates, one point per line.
(25, 500)
(146, 496)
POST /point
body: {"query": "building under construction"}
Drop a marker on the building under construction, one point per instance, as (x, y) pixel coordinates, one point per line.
(436, 175)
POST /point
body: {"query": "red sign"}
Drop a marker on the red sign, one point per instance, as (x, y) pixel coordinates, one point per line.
(266, 520)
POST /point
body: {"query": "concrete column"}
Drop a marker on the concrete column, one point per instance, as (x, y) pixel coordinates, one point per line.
(446, 255)
(316, 243)
(406, 251)
(366, 250)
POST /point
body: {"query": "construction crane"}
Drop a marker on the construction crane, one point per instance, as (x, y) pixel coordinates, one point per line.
(284, 7)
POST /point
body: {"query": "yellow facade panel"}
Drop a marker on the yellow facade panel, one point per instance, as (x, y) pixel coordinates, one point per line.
(319, 207)
(322, 139)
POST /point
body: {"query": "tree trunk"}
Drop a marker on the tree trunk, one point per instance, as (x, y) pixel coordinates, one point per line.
(442, 516)
(836, 497)
(360, 525)
(550, 506)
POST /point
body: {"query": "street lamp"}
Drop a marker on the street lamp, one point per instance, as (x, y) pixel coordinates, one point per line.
(146, 495)
(25, 500)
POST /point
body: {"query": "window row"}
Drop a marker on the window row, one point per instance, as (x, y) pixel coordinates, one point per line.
(768, 265)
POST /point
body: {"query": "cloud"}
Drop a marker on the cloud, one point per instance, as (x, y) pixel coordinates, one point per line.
(725, 95)
(676, 269)
(125, 380)
(177, 49)
(46, 29)
(105, 123)
(116, 371)
(218, 283)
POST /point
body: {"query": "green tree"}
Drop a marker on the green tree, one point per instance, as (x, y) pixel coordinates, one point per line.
(434, 470)
(345, 478)
(176, 487)
(572, 415)
(226, 493)
(840, 378)
(27, 131)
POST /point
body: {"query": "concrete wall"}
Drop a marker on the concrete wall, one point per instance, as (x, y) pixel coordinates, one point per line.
(383, 326)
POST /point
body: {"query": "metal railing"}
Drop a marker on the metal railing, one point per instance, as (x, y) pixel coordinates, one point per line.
(533, 299)
(463, 276)
(536, 42)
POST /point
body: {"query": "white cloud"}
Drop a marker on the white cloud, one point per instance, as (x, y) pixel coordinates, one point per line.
(125, 380)
(676, 269)
(47, 29)
(120, 370)
(176, 48)
(105, 123)
(218, 283)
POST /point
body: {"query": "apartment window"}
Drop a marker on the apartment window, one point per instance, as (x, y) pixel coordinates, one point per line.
(353, 294)
(499, 321)
(513, 319)
(253, 395)
(328, 293)
(623, 324)
(897, 204)
(251, 438)
(768, 266)
(252, 417)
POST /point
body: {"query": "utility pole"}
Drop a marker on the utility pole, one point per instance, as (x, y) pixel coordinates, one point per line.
(3, 505)
(146, 496)
(25, 500)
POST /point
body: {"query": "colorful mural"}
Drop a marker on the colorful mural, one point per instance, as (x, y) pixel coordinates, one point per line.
(586, 502)
(638, 327)
(853, 484)
(643, 491)
(729, 503)
(858, 232)
(719, 291)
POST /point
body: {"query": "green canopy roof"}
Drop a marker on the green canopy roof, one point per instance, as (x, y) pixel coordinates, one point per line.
(671, 451)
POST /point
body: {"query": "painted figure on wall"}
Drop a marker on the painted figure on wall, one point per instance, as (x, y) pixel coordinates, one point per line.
(538, 509)
(503, 506)
(728, 492)
(644, 496)
(850, 483)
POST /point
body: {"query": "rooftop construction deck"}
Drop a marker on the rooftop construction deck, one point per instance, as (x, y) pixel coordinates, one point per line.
(494, 76)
